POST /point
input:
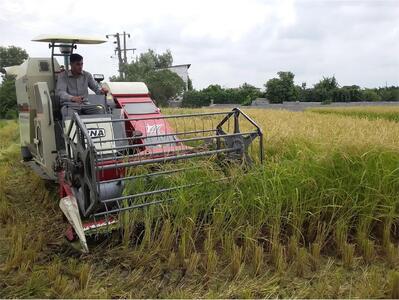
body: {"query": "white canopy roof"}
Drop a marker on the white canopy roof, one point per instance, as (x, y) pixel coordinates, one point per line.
(127, 88)
(68, 39)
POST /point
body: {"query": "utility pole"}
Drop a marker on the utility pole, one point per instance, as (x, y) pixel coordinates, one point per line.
(124, 47)
(119, 50)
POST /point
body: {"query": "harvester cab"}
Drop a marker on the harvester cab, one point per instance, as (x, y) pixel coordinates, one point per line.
(94, 158)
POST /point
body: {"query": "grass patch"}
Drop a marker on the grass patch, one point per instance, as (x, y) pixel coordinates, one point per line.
(390, 113)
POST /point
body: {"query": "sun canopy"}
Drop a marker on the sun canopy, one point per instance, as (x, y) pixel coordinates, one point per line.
(68, 39)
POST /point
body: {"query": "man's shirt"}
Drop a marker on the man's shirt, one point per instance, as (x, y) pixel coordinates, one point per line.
(69, 85)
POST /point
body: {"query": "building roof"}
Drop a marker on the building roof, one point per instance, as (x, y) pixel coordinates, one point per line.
(183, 65)
(176, 66)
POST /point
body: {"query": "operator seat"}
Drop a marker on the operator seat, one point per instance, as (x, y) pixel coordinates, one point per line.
(93, 101)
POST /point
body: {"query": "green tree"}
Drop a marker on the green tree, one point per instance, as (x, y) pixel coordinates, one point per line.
(164, 85)
(189, 84)
(370, 95)
(215, 93)
(325, 88)
(9, 56)
(327, 83)
(301, 92)
(243, 95)
(247, 93)
(195, 99)
(389, 93)
(8, 98)
(148, 61)
(150, 68)
(282, 88)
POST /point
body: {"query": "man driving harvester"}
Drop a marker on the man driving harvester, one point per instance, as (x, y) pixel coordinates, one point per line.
(72, 88)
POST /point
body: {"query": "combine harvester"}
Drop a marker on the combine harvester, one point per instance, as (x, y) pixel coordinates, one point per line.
(91, 157)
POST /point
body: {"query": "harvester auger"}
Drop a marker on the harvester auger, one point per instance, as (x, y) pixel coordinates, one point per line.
(94, 157)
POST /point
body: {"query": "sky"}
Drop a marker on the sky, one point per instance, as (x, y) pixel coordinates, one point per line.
(227, 42)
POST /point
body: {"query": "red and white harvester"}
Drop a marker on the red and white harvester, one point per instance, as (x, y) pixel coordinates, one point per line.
(91, 157)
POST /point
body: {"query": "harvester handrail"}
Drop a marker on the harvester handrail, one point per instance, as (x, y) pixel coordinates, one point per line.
(118, 210)
(148, 175)
(163, 117)
(153, 136)
(150, 193)
(260, 132)
(163, 159)
(250, 120)
(160, 191)
(199, 138)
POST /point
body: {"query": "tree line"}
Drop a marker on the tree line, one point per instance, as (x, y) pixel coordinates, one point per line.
(283, 89)
(326, 90)
(243, 95)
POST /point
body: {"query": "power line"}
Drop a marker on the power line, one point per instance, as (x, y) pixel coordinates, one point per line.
(119, 50)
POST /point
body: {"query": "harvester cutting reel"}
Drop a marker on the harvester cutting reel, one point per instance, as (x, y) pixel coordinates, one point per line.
(102, 154)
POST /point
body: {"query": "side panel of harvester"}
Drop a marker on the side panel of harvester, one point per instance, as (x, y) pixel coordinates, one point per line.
(34, 80)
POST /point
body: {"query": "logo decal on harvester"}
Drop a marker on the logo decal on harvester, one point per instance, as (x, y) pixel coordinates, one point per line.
(96, 132)
(154, 129)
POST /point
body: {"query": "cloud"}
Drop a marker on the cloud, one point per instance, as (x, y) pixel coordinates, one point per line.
(227, 42)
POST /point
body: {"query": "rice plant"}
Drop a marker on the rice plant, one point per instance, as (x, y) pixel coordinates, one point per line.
(317, 219)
